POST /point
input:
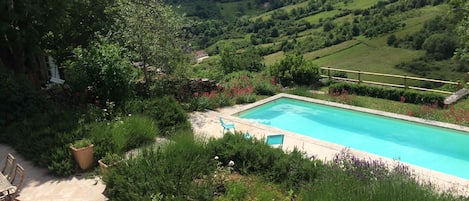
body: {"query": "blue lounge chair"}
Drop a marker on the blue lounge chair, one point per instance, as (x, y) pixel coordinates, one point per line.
(276, 139)
(227, 126)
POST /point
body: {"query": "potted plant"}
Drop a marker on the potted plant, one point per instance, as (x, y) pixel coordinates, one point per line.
(108, 161)
(83, 153)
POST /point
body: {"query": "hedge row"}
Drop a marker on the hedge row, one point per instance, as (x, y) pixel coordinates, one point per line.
(408, 96)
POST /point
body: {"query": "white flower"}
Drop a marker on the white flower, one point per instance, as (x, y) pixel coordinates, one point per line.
(231, 163)
(216, 158)
(130, 115)
(121, 122)
(105, 109)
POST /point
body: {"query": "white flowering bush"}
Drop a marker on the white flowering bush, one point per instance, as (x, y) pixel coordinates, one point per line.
(221, 175)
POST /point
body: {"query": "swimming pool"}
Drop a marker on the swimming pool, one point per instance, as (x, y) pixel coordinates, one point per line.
(441, 149)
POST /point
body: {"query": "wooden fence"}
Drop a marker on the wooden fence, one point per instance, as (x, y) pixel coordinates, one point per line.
(326, 72)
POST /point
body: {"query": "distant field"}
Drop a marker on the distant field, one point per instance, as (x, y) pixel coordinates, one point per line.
(232, 9)
(314, 19)
(272, 58)
(330, 50)
(289, 8)
(415, 19)
(347, 18)
(356, 4)
(372, 59)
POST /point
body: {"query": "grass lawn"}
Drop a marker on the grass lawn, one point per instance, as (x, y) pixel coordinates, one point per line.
(366, 57)
(272, 58)
(289, 8)
(356, 4)
(415, 19)
(314, 19)
(331, 50)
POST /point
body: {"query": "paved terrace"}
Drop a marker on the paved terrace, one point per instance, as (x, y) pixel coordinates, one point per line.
(40, 185)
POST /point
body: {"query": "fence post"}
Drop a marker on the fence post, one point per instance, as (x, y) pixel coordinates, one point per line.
(329, 72)
(405, 81)
(359, 76)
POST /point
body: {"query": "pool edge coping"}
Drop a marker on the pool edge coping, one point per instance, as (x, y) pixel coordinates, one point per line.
(354, 108)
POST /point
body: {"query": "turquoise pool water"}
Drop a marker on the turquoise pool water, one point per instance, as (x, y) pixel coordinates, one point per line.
(432, 147)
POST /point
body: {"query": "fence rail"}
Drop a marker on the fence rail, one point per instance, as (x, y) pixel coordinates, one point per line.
(326, 72)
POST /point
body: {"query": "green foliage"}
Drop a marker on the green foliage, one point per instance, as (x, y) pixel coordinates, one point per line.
(111, 158)
(248, 60)
(253, 156)
(102, 71)
(351, 178)
(236, 88)
(440, 46)
(44, 140)
(408, 96)
(167, 113)
(24, 25)
(121, 135)
(62, 162)
(85, 142)
(18, 100)
(294, 69)
(152, 32)
(174, 171)
(236, 191)
(460, 8)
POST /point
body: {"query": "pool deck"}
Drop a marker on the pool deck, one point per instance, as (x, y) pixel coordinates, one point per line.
(206, 124)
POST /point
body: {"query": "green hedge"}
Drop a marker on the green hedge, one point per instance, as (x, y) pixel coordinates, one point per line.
(408, 96)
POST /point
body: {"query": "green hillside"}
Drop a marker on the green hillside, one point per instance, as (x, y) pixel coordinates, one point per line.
(384, 36)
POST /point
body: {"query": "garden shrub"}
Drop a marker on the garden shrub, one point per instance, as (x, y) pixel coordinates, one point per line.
(101, 70)
(167, 113)
(62, 162)
(402, 95)
(347, 177)
(255, 156)
(294, 69)
(122, 135)
(173, 172)
(43, 138)
(19, 100)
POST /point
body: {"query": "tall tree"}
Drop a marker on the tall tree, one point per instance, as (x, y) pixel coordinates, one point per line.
(153, 32)
(23, 25)
(30, 28)
(461, 11)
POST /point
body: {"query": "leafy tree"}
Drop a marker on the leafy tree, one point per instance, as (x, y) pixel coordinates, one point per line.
(31, 28)
(101, 70)
(392, 39)
(440, 46)
(461, 11)
(153, 32)
(294, 69)
(231, 61)
(23, 24)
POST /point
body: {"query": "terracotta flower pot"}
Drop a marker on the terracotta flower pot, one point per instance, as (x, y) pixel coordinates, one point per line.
(104, 167)
(84, 156)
